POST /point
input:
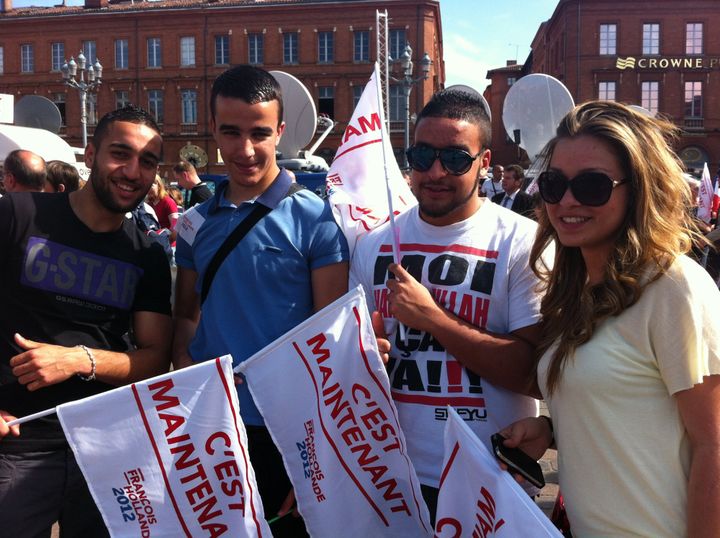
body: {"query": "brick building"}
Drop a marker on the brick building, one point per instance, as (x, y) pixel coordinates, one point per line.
(164, 55)
(663, 55)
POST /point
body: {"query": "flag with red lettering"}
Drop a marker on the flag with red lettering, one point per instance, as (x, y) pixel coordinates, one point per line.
(325, 397)
(168, 456)
(356, 181)
(478, 498)
(705, 196)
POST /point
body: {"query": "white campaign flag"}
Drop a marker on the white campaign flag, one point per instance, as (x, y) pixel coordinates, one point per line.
(478, 498)
(325, 397)
(705, 202)
(168, 456)
(356, 181)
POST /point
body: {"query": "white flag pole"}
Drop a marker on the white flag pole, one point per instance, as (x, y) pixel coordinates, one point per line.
(28, 418)
(393, 228)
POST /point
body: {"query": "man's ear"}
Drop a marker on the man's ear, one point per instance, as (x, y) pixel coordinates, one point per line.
(9, 182)
(484, 163)
(89, 155)
(281, 130)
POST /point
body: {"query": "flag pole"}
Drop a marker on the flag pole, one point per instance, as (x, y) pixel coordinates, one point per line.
(28, 418)
(395, 232)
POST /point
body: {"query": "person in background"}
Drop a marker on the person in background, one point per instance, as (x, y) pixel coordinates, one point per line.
(630, 355)
(177, 196)
(164, 206)
(61, 177)
(186, 176)
(24, 171)
(493, 187)
(512, 197)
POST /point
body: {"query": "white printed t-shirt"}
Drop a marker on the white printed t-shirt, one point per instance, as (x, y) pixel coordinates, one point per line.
(623, 452)
(478, 269)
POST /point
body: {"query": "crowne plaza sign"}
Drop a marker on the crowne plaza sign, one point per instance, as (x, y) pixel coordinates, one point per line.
(668, 63)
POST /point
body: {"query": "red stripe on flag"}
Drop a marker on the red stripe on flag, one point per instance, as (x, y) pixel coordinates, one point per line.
(451, 460)
(223, 380)
(387, 397)
(466, 401)
(159, 459)
(435, 249)
(353, 148)
(332, 443)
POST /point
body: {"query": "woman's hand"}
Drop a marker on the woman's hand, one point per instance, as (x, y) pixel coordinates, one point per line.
(532, 435)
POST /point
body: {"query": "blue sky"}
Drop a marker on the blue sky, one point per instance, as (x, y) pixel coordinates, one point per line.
(477, 34)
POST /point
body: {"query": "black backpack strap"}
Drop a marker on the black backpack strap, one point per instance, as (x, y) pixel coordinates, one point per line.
(240, 231)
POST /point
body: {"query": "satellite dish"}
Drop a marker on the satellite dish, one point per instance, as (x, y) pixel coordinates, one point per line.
(533, 109)
(193, 154)
(472, 91)
(300, 115)
(38, 112)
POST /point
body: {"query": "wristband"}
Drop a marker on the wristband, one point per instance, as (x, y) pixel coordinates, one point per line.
(552, 430)
(90, 355)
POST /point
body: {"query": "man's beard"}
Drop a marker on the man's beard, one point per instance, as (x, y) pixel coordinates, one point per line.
(105, 197)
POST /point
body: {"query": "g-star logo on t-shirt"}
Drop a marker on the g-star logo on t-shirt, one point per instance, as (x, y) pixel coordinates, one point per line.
(61, 269)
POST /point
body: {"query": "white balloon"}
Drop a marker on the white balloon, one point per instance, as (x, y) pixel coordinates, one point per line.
(534, 106)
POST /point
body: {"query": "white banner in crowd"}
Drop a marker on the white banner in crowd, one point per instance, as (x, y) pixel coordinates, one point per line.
(168, 456)
(705, 196)
(478, 498)
(325, 397)
(357, 189)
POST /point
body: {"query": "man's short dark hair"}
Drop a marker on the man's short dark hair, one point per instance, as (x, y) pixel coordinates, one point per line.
(517, 170)
(459, 105)
(62, 173)
(183, 166)
(24, 174)
(249, 83)
(128, 113)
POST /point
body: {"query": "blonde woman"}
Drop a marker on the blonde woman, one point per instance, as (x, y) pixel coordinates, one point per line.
(631, 347)
(164, 206)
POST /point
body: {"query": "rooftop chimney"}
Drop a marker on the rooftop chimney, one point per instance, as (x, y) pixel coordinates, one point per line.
(95, 4)
(511, 62)
(6, 6)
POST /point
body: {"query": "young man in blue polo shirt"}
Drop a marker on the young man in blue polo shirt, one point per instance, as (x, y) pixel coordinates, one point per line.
(293, 262)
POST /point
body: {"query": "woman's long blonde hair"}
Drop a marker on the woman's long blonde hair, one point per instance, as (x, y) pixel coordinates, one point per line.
(161, 191)
(656, 229)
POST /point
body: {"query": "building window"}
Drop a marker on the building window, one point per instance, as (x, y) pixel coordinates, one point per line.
(650, 96)
(92, 116)
(651, 38)
(154, 52)
(89, 49)
(27, 58)
(398, 40)
(511, 81)
(608, 39)
(122, 98)
(187, 51)
(694, 38)
(222, 50)
(59, 100)
(326, 101)
(362, 46)
(155, 105)
(606, 91)
(357, 93)
(693, 99)
(2, 60)
(325, 47)
(397, 103)
(189, 106)
(122, 54)
(290, 48)
(57, 53)
(255, 49)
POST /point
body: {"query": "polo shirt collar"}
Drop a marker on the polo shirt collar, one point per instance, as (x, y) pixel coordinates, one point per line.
(271, 197)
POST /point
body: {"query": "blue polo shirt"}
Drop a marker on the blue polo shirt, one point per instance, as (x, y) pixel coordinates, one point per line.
(263, 288)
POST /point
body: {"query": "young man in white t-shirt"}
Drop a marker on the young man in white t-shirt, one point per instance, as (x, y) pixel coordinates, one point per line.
(464, 293)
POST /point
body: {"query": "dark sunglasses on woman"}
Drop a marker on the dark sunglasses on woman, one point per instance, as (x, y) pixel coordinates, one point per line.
(589, 188)
(455, 161)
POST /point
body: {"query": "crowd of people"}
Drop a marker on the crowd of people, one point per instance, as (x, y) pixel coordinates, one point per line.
(596, 307)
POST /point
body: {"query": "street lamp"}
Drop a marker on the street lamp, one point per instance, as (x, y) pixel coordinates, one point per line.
(406, 82)
(92, 84)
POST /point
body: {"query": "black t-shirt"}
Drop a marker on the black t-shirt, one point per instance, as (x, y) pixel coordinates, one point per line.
(199, 194)
(62, 283)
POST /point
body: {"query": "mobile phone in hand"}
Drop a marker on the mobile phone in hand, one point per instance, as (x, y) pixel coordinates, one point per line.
(518, 462)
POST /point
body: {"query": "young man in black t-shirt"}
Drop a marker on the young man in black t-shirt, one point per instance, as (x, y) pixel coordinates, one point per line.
(76, 277)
